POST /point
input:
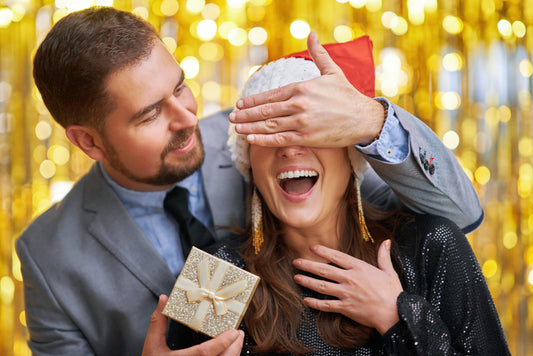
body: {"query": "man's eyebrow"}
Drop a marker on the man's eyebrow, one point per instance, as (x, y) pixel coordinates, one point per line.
(151, 107)
(145, 111)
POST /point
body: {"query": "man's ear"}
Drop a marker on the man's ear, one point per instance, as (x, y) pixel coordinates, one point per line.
(87, 139)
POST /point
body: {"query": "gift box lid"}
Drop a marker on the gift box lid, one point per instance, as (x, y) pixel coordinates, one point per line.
(210, 295)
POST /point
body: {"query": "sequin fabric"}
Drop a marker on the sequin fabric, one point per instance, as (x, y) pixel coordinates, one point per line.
(445, 308)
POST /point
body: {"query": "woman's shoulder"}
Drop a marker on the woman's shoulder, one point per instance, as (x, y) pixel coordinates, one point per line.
(430, 235)
(433, 247)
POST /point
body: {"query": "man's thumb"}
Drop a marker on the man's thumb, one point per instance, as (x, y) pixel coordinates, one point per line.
(320, 56)
(155, 337)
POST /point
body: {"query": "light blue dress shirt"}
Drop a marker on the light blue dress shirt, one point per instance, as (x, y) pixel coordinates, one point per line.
(392, 145)
(162, 230)
(159, 227)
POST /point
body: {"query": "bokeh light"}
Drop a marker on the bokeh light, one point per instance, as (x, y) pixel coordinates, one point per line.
(482, 175)
(519, 29)
(169, 7)
(237, 36)
(300, 29)
(505, 28)
(236, 4)
(195, 6)
(225, 28)
(452, 62)
(358, 4)
(206, 30)
(343, 33)
(258, 36)
(6, 16)
(452, 24)
(190, 67)
(451, 139)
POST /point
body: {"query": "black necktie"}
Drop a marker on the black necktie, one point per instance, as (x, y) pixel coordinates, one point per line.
(192, 231)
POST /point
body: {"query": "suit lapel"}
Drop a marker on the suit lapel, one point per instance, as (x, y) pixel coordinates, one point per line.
(211, 175)
(116, 231)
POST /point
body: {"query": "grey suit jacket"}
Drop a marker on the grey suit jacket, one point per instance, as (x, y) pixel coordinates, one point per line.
(92, 279)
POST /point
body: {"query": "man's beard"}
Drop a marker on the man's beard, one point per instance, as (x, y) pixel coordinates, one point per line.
(168, 174)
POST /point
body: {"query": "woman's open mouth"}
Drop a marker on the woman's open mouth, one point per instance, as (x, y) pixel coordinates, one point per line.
(297, 182)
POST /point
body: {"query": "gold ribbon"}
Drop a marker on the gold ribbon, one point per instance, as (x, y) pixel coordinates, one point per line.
(207, 293)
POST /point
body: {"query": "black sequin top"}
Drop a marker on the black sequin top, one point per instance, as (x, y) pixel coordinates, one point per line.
(445, 308)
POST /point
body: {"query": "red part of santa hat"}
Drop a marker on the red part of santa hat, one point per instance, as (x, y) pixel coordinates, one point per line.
(356, 61)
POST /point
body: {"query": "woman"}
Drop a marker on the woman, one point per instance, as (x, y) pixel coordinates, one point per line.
(335, 282)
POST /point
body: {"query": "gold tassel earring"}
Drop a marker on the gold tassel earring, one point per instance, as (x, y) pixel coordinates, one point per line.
(257, 222)
(364, 229)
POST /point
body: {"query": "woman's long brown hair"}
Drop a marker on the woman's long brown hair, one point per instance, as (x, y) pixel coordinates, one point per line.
(274, 314)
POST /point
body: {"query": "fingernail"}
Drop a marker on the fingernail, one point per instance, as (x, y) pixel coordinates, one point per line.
(238, 127)
(240, 103)
(251, 138)
(232, 116)
(242, 333)
(297, 262)
(234, 334)
(388, 244)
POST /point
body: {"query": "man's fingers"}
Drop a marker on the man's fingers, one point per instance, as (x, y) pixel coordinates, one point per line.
(320, 269)
(270, 126)
(320, 56)
(155, 336)
(282, 139)
(236, 347)
(261, 112)
(158, 322)
(327, 305)
(269, 96)
(217, 345)
(319, 285)
(339, 258)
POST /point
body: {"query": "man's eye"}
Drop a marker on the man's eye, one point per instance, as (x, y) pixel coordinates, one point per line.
(155, 114)
(179, 89)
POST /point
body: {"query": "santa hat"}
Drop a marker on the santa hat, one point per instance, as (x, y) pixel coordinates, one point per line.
(353, 57)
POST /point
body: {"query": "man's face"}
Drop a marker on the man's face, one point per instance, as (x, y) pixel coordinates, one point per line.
(151, 138)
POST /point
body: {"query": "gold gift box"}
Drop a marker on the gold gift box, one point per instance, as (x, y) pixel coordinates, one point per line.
(210, 295)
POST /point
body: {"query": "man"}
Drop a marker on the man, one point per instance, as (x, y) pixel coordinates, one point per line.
(95, 264)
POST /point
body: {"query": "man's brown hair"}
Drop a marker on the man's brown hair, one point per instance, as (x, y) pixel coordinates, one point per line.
(79, 54)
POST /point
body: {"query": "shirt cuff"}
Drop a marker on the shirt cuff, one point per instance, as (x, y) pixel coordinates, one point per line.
(392, 146)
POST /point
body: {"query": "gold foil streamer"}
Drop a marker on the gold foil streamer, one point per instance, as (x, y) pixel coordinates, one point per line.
(494, 149)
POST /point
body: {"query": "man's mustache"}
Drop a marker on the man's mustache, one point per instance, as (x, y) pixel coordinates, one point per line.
(179, 140)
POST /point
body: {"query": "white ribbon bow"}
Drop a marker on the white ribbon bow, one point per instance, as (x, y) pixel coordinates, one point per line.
(207, 293)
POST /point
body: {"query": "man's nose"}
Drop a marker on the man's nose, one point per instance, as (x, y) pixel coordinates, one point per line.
(181, 116)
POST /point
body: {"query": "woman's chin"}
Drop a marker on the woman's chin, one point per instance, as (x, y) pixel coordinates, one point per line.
(298, 220)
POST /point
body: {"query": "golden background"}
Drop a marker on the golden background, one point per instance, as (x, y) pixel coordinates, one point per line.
(464, 67)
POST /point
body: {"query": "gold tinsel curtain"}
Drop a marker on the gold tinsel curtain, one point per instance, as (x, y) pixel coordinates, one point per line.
(464, 67)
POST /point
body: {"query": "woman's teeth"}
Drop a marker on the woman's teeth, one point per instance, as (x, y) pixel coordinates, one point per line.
(297, 174)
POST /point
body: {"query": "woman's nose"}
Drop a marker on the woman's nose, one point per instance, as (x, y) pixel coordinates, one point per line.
(292, 151)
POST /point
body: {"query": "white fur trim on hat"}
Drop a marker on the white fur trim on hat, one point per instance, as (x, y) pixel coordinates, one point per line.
(276, 74)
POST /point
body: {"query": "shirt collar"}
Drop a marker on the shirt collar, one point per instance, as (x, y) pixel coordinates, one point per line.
(134, 197)
(148, 199)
